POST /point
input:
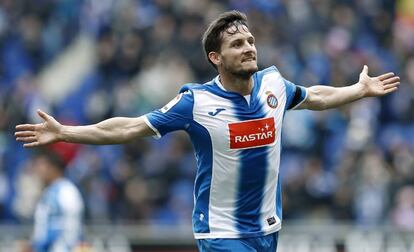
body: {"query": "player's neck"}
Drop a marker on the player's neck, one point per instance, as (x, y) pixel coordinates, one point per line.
(236, 84)
(53, 178)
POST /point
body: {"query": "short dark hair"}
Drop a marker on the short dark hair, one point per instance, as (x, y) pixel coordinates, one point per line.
(212, 37)
(52, 157)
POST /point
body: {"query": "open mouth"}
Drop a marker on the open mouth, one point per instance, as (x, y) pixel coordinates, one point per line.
(249, 59)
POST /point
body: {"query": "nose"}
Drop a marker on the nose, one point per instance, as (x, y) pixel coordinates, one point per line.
(249, 48)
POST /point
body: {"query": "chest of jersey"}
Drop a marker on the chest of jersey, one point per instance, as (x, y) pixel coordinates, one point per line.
(234, 123)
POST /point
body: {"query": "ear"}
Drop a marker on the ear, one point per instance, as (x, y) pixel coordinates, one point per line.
(215, 58)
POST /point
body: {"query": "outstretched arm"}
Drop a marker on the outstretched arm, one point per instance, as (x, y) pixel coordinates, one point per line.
(324, 97)
(111, 131)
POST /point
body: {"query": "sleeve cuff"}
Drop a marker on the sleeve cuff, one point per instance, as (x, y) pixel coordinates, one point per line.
(157, 133)
(306, 96)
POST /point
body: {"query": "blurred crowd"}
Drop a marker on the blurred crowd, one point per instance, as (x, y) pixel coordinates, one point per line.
(353, 164)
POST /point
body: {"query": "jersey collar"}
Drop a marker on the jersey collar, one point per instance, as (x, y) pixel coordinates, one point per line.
(218, 88)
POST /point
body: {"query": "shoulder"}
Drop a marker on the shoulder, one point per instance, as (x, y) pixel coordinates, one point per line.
(189, 88)
(190, 91)
(271, 73)
(69, 196)
(269, 76)
(183, 102)
(268, 70)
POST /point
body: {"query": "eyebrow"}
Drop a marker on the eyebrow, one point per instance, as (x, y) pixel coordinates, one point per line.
(238, 39)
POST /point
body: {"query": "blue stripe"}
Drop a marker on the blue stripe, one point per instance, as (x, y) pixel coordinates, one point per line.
(264, 243)
(252, 169)
(51, 199)
(201, 140)
(294, 94)
(279, 198)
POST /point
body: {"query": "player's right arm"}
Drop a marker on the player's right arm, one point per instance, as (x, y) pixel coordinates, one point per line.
(111, 131)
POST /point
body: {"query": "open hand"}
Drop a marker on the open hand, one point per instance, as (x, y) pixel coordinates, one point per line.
(378, 86)
(39, 134)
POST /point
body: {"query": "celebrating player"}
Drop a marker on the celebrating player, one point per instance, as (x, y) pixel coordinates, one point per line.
(234, 122)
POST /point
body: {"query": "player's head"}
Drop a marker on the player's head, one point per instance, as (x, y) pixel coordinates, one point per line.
(229, 45)
(48, 165)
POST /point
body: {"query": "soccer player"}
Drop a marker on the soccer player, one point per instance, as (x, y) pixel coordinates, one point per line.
(234, 122)
(59, 212)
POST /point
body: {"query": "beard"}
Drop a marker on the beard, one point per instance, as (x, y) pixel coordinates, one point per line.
(244, 74)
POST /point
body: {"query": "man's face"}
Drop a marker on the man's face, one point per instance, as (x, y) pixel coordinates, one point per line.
(43, 169)
(238, 52)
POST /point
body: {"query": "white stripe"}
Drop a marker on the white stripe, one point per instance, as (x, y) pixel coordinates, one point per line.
(224, 181)
(218, 82)
(272, 82)
(157, 133)
(232, 235)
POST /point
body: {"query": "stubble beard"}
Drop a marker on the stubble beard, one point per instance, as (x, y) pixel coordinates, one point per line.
(242, 74)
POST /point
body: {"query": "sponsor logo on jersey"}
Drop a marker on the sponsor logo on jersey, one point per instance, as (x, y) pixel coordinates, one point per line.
(218, 110)
(271, 100)
(252, 133)
(171, 103)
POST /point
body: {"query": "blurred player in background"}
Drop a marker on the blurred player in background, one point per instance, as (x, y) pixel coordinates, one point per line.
(59, 212)
(234, 122)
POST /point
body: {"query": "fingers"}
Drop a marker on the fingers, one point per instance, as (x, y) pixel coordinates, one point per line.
(26, 127)
(365, 70)
(387, 91)
(390, 86)
(390, 83)
(43, 115)
(29, 145)
(24, 133)
(31, 134)
(28, 139)
(385, 76)
(391, 80)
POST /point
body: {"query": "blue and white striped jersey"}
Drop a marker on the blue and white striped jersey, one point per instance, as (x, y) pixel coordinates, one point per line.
(58, 218)
(237, 142)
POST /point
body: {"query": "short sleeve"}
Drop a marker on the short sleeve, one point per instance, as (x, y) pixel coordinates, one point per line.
(295, 95)
(176, 115)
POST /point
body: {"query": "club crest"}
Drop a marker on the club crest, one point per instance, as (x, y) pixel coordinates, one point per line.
(271, 100)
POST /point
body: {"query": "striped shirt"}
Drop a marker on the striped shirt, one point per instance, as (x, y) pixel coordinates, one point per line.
(237, 144)
(58, 218)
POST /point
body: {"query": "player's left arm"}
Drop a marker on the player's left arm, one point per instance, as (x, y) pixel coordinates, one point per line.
(325, 97)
